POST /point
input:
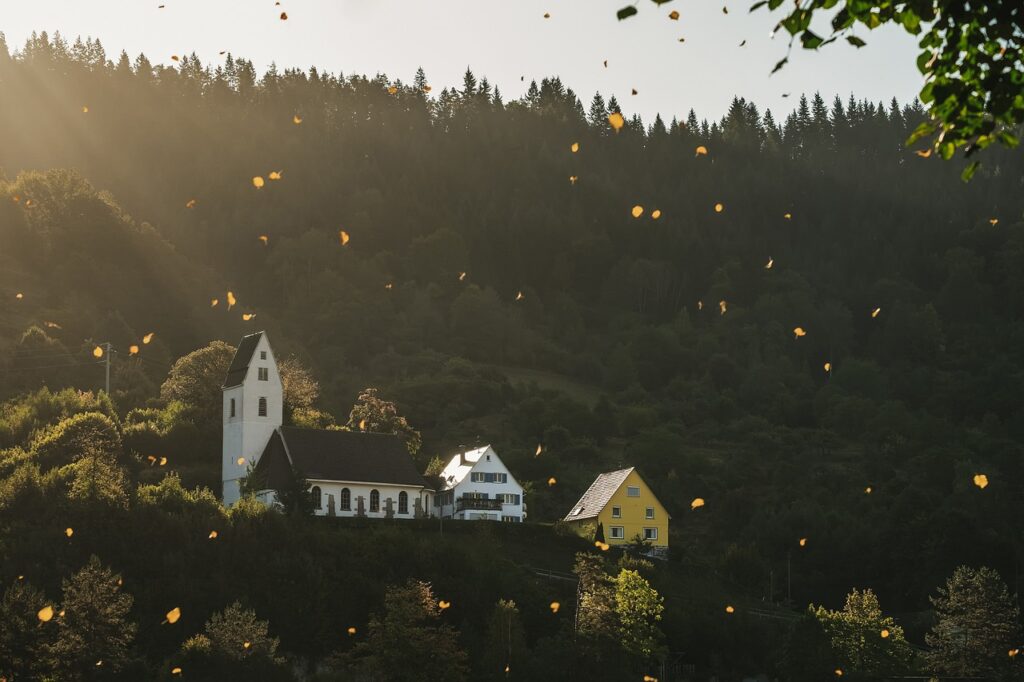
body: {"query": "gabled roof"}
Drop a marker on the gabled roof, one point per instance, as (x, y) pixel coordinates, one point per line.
(337, 456)
(240, 363)
(460, 465)
(598, 494)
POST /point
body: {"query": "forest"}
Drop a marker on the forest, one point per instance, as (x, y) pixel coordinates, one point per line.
(814, 328)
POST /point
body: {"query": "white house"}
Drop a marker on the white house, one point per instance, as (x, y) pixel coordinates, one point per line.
(476, 484)
(351, 473)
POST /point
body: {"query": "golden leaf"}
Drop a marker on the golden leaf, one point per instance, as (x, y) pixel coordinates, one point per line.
(462, 276)
(69, 531)
(362, 424)
(133, 350)
(246, 645)
(554, 606)
(603, 546)
(839, 672)
(798, 332)
(730, 609)
(637, 211)
(673, 15)
(650, 678)
(575, 147)
(719, 208)
(547, 15)
(787, 216)
(443, 604)
(45, 614)
(540, 449)
(389, 285)
(214, 302)
(993, 221)
(240, 461)
(980, 480)
(552, 481)
(393, 90)
(616, 121)
(343, 236)
(701, 151)
(212, 535)
(19, 296)
(697, 503)
(655, 214)
(274, 175)
(874, 313)
(173, 615)
(97, 352)
(174, 58)
(885, 634)
(152, 459)
(265, 239)
(248, 316)
(924, 153)
(723, 306)
(176, 670)
(257, 181)
(231, 300)
(351, 631)
(700, 305)
(296, 119)
(828, 366)
(572, 179)
(85, 110)
(52, 325)
(427, 88)
(770, 263)
(867, 490)
(191, 203)
(284, 16)
(148, 337)
(163, 461)
(519, 296)
(803, 542)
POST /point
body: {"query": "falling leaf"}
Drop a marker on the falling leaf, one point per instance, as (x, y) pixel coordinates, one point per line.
(787, 216)
(257, 181)
(885, 634)
(980, 480)
(575, 147)
(173, 615)
(19, 296)
(803, 542)
(700, 305)
(682, 40)
(191, 203)
(392, 90)
(719, 208)
(52, 325)
(540, 449)
(248, 316)
(152, 459)
(874, 313)
(389, 285)
(635, 92)
(723, 306)
(133, 350)
(214, 302)
(351, 631)
(673, 15)
(265, 239)
(867, 490)
(163, 461)
(993, 221)
(1014, 652)
(443, 604)
(296, 119)
(606, 63)
(637, 211)
(343, 236)
(240, 461)
(519, 296)
(362, 424)
(45, 614)
(572, 179)
(231, 300)
(275, 175)
(924, 153)
(554, 607)
(725, 10)
(284, 16)
(650, 678)
(744, 42)
(799, 332)
(148, 337)
(655, 214)
(85, 110)
(69, 531)
(701, 151)
(175, 670)
(828, 366)
(99, 663)
(616, 121)
(212, 535)
(697, 503)
(174, 57)
(97, 352)
(246, 645)
(603, 546)
(770, 263)
(730, 609)
(839, 672)
(552, 481)
(547, 15)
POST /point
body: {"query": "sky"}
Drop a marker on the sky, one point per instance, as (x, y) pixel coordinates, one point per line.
(508, 41)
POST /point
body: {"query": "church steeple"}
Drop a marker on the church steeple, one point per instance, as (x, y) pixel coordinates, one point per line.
(253, 409)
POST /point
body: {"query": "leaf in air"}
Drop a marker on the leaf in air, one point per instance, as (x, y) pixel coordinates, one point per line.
(173, 615)
(231, 300)
(575, 147)
(343, 237)
(655, 214)
(133, 350)
(701, 151)
(770, 263)
(673, 15)
(616, 120)
(719, 208)
(799, 332)
(275, 175)
(969, 171)
(780, 64)
(148, 337)
(257, 181)
(554, 606)
(981, 480)
(97, 352)
(392, 90)
(265, 239)
(191, 203)
(855, 41)
(626, 12)
(637, 211)
(45, 614)
(296, 119)
(697, 503)
(284, 16)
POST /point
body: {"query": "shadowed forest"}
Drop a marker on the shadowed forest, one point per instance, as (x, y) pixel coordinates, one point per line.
(791, 315)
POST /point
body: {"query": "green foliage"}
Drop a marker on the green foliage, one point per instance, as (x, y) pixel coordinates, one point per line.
(296, 499)
(504, 648)
(83, 436)
(196, 379)
(856, 637)
(23, 640)
(977, 624)
(638, 607)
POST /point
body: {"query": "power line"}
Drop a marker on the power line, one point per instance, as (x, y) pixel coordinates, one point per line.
(64, 365)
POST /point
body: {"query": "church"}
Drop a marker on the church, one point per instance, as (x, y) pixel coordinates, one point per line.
(350, 473)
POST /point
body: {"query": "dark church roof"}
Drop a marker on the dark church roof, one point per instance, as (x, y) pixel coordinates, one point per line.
(240, 363)
(336, 456)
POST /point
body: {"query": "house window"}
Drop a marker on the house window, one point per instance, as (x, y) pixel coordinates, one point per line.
(317, 497)
(263, 374)
(633, 491)
(263, 355)
(512, 498)
(263, 407)
(403, 502)
(616, 532)
(510, 519)
(650, 513)
(374, 501)
(346, 499)
(484, 477)
(616, 512)
(232, 407)
(650, 533)
(477, 477)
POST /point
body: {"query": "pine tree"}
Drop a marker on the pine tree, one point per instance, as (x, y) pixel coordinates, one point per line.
(504, 651)
(23, 639)
(95, 625)
(977, 624)
(468, 84)
(856, 635)
(598, 114)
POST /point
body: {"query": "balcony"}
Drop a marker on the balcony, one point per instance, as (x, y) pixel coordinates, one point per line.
(472, 503)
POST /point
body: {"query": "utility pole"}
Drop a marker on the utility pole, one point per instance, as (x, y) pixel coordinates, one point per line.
(789, 576)
(107, 356)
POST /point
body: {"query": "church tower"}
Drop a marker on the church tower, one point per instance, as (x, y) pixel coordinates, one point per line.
(253, 409)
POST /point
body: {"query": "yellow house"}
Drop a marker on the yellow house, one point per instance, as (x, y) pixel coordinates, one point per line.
(624, 506)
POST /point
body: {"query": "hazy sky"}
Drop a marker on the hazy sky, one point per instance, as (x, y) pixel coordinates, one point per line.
(503, 40)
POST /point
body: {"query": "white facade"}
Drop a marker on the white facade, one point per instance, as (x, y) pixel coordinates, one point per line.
(252, 410)
(331, 497)
(478, 485)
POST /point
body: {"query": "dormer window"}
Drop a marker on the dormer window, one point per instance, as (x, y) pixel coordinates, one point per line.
(263, 407)
(263, 374)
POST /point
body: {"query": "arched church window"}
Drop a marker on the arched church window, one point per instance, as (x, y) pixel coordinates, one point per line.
(403, 502)
(317, 497)
(346, 499)
(374, 501)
